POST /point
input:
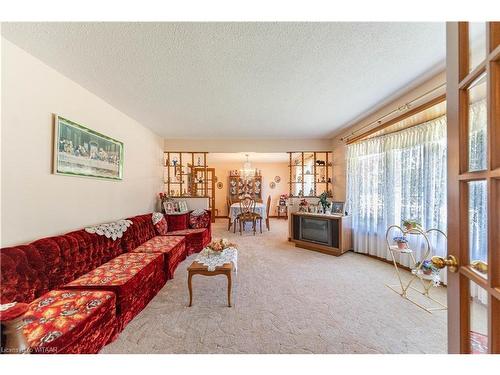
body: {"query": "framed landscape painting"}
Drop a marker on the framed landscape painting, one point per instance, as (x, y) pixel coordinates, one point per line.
(79, 151)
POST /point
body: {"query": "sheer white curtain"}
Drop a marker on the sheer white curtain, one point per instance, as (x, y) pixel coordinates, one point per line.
(403, 176)
(395, 177)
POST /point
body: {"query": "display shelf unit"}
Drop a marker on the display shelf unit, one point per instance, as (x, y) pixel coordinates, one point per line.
(310, 173)
(185, 174)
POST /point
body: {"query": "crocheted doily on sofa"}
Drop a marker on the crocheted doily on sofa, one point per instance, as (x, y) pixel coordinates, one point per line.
(112, 230)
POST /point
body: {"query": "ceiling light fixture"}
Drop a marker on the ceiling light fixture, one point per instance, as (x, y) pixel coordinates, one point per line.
(247, 171)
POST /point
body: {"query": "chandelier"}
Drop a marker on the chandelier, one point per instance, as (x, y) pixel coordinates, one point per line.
(247, 171)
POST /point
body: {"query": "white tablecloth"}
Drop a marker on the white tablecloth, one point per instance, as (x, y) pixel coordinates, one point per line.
(260, 208)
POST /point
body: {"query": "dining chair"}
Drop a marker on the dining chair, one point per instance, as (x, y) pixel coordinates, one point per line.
(259, 218)
(247, 214)
(228, 202)
(268, 207)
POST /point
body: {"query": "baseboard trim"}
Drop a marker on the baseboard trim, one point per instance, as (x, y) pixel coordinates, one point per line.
(383, 260)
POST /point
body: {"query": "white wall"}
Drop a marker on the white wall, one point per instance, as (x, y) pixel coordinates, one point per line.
(37, 203)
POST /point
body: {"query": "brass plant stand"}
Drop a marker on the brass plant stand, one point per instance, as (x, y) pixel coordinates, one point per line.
(403, 288)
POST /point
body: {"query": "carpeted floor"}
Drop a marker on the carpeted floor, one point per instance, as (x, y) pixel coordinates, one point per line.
(286, 300)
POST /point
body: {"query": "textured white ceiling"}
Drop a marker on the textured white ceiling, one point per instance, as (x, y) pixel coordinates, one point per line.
(254, 157)
(234, 80)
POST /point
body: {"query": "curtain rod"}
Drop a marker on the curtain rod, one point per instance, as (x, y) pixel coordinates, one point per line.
(404, 107)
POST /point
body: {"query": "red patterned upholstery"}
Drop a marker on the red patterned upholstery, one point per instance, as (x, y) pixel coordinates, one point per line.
(199, 221)
(13, 312)
(141, 230)
(22, 274)
(172, 247)
(135, 278)
(73, 254)
(29, 272)
(161, 227)
(196, 239)
(178, 221)
(63, 321)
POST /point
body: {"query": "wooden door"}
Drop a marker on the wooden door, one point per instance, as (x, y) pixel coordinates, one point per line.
(473, 111)
(204, 186)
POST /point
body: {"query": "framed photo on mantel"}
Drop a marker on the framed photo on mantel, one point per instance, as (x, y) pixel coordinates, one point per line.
(80, 151)
(337, 208)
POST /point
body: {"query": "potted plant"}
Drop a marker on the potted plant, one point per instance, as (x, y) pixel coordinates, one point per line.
(401, 241)
(324, 201)
(410, 224)
(428, 269)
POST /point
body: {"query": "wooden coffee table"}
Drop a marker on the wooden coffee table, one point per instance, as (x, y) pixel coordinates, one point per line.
(199, 269)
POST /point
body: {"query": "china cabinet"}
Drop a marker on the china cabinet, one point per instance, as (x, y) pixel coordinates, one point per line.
(240, 186)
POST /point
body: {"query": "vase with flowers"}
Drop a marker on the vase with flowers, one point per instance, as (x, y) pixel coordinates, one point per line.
(283, 199)
(218, 246)
(303, 205)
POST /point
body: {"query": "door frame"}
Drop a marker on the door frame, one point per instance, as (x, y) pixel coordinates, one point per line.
(208, 185)
(458, 80)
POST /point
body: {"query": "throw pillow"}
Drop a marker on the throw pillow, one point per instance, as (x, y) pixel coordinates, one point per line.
(160, 223)
(197, 220)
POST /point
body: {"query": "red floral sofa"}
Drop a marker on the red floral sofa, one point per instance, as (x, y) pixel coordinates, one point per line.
(197, 230)
(82, 289)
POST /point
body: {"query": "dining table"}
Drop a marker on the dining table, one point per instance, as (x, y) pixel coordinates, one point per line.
(235, 210)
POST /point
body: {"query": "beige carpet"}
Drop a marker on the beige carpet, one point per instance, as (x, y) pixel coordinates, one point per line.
(286, 300)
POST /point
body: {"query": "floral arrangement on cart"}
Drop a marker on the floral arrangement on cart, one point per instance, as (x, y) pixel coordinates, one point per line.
(428, 269)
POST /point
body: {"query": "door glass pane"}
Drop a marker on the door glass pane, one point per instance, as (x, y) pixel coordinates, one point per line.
(477, 44)
(478, 305)
(477, 124)
(478, 220)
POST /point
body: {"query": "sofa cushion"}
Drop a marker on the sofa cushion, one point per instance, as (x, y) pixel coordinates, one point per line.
(160, 223)
(141, 231)
(196, 239)
(63, 321)
(173, 248)
(199, 221)
(73, 254)
(23, 276)
(134, 277)
(178, 221)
